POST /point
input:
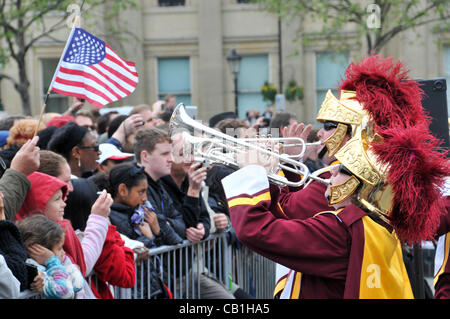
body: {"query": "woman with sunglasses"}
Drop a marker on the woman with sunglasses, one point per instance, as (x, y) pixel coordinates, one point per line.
(79, 146)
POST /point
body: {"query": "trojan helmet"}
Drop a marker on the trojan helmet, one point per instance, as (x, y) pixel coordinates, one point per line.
(397, 165)
(347, 113)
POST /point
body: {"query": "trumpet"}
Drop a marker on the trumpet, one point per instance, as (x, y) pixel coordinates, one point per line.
(210, 145)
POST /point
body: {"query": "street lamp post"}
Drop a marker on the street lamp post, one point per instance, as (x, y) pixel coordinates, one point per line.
(234, 62)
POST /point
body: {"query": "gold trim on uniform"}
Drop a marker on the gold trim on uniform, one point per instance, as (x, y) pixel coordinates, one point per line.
(249, 200)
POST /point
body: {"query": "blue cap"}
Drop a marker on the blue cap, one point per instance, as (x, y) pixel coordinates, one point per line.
(3, 136)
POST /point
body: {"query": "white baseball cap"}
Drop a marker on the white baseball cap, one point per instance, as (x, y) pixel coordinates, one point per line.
(110, 151)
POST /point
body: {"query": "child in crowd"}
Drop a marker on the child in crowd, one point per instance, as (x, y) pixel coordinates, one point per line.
(44, 240)
(127, 184)
(128, 187)
(114, 265)
(47, 197)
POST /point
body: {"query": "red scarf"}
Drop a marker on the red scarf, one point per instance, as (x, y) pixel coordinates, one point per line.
(72, 246)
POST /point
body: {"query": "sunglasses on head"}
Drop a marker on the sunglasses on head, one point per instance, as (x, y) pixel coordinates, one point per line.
(96, 148)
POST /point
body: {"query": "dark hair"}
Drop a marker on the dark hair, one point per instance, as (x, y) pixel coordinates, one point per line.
(214, 181)
(8, 122)
(103, 121)
(312, 136)
(124, 173)
(114, 124)
(45, 136)
(39, 229)
(281, 119)
(166, 115)
(221, 116)
(67, 137)
(235, 124)
(79, 202)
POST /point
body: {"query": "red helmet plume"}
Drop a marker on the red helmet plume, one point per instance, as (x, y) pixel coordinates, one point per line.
(417, 165)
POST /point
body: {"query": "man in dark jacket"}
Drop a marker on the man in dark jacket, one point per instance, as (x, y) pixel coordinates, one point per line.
(184, 185)
(153, 151)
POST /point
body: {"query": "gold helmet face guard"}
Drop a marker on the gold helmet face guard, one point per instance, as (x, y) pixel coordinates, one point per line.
(334, 141)
(375, 194)
(341, 192)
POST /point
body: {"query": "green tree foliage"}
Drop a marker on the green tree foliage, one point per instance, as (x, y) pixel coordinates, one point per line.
(375, 21)
(24, 22)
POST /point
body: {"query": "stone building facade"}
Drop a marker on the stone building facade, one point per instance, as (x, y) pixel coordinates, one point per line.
(182, 50)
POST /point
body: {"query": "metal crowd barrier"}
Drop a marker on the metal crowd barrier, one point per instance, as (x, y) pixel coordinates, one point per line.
(179, 267)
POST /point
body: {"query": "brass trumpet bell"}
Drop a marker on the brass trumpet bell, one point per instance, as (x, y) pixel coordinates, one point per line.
(210, 145)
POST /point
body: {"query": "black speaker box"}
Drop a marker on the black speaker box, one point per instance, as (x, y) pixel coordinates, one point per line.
(434, 102)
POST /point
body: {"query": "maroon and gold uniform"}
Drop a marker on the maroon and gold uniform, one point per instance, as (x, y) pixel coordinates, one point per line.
(334, 251)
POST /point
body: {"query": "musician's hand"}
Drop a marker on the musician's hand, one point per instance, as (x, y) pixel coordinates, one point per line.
(295, 130)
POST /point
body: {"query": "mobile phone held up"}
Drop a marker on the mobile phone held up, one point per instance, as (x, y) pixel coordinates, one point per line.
(32, 272)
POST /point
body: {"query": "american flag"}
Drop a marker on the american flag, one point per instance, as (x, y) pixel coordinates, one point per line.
(89, 69)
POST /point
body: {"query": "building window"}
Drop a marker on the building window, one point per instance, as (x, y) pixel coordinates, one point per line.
(330, 68)
(243, 1)
(254, 71)
(174, 77)
(170, 3)
(56, 102)
(447, 74)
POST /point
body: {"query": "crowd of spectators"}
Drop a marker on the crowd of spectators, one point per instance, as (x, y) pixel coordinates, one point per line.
(92, 194)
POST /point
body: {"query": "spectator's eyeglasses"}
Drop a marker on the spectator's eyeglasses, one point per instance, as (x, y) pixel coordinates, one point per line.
(342, 169)
(96, 148)
(327, 126)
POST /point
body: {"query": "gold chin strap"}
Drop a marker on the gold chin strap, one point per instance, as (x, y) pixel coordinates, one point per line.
(341, 192)
(334, 141)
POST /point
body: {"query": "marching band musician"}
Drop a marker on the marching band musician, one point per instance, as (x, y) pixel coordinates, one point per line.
(308, 201)
(353, 249)
(373, 85)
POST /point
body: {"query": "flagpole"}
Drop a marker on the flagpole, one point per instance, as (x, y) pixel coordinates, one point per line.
(54, 74)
